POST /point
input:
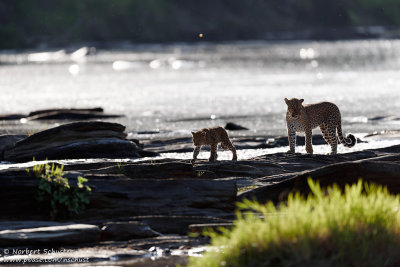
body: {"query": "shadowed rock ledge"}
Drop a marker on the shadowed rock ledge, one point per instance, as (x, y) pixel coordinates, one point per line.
(78, 140)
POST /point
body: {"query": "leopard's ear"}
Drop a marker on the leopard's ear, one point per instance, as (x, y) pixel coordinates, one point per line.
(286, 100)
(301, 100)
(193, 133)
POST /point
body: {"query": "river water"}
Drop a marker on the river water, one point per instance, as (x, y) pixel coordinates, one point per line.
(172, 89)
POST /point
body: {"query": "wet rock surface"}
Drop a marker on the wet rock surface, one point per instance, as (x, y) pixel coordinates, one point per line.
(180, 145)
(60, 234)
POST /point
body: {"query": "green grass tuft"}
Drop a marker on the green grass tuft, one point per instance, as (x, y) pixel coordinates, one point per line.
(359, 227)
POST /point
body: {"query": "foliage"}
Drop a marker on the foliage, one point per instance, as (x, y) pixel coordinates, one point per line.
(26, 23)
(55, 191)
(359, 227)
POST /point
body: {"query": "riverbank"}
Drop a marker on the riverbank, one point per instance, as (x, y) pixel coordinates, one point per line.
(143, 204)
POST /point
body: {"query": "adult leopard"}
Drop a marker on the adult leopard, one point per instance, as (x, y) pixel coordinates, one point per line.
(304, 118)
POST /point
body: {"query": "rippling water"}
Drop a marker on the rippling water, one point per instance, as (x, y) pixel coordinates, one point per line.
(176, 88)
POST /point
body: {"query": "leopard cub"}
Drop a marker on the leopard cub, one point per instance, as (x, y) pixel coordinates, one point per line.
(212, 137)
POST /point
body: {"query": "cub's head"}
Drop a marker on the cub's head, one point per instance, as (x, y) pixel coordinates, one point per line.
(199, 137)
(294, 106)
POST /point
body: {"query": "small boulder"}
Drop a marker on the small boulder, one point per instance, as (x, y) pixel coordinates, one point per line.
(234, 127)
(121, 231)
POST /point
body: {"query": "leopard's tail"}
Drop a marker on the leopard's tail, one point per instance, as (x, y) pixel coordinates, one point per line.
(350, 139)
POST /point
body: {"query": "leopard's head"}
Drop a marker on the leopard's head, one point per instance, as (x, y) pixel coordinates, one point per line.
(294, 106)
(199, 137)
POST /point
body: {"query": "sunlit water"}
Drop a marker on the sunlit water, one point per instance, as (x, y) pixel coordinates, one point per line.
(173, 89)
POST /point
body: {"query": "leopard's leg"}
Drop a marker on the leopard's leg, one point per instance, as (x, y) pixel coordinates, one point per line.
(292, 139)
(228, 145)
(196, 152)
(232, 148)
(213, 154)
(308, 133)
(332, 139)
(325, 133)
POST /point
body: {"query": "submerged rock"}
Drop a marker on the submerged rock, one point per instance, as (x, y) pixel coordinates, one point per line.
(62, 114)
(384, 118)
(234, 127)
(70, 114)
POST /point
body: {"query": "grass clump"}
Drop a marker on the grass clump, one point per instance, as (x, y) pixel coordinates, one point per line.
(56, 194)
(357, 227)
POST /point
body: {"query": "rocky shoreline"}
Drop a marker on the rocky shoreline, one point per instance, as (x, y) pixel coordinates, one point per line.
(141, 213)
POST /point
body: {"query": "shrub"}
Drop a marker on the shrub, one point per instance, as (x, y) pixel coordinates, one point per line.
(357, 227)
(56, 194)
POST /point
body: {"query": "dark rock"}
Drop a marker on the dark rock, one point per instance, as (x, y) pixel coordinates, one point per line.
(8, 141)
(84, 130)
(317, 139)
(45, 111)
(149, 132)
(145, 153)
(384, 118)
(175, 224)
(113, 197)
(16, 225)
(9, 117)
(180, 145)
(126, 231)
(118, 196)
(66, 234)
(152, 170)
(96, 148)
(74, 141)
(376, 170)
(70, 114)
(234, 127)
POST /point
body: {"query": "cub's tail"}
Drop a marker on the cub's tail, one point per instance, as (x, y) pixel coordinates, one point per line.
(350, 139)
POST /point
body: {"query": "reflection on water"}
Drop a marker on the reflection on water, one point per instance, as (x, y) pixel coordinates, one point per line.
(162, 88)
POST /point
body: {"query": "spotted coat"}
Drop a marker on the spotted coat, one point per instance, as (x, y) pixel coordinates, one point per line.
(304, 118)
(212, 137)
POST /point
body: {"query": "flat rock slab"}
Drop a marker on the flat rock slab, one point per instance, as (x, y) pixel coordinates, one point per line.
(51, 235)
(175, 169)
(275, 164)
(120, 196)
(70, 114)
(115, 195)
